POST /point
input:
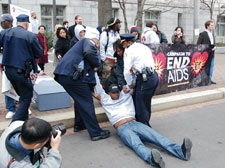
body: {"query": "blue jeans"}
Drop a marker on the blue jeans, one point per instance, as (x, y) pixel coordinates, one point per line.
(133, 133)
(211, 68)
(9, 104)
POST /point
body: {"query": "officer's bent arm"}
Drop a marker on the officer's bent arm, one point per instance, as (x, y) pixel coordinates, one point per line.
(90, 55)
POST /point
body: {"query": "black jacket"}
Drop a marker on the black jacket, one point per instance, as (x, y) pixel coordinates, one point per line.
(162, 37)
(71, 30)
(204, 38)
(73, 41)
(62, 46)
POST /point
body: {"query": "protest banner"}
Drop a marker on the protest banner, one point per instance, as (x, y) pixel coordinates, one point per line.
(181, 67)
(16, 10)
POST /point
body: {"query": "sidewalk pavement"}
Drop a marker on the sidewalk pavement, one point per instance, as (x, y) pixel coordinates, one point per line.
(159, 102)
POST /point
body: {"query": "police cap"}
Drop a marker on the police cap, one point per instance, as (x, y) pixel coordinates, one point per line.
(6, 17)
(22, 18)
(113, 21)
(126, 37)
(113, 88)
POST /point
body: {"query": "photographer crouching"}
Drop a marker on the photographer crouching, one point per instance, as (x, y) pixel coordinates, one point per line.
(22, 143)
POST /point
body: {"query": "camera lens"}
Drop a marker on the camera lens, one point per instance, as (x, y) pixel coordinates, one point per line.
(61, 127)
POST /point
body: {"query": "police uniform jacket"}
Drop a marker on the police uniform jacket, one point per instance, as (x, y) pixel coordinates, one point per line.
(84, 50)
(137, 56)
(19, 46)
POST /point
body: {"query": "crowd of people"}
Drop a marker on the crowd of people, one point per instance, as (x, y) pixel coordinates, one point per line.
(117, 69)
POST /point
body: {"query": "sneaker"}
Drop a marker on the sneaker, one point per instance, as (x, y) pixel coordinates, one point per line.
(186, 148)
(157, 159)
(29, 112)
(9, 115)
(212, 82)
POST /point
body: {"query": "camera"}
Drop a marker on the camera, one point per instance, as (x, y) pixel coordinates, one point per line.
(61, 127)
(177, 33)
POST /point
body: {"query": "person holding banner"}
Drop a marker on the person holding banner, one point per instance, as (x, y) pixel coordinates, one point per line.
(207, 37)
(138, 60)
(20, 50)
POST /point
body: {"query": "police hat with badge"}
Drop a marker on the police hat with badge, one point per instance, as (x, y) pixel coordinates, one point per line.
(127, 37)
(6, 17)
(22, 18)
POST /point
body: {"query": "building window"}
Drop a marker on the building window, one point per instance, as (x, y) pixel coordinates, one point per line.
(179, 19)
(115, 12)
(5, 8)
(221, 26)
(47, 16)
(152, 15)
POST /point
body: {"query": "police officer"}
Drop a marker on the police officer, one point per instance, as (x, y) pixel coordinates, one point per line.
(78, 81)
(6, 23)
(21, 145)
(20, 50)
(138, 59)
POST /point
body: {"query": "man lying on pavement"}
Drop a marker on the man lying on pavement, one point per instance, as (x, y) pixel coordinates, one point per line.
(120, 110)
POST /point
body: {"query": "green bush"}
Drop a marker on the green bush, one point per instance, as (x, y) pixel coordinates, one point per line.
(220, 44)
(49, 35)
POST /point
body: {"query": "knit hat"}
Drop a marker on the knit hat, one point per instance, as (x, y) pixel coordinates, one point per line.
(134, 29)
(113, 21)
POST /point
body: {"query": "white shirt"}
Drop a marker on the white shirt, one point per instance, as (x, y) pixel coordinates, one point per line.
(210, 36)
(34, 25)
(149, 36)
(116, 110)
(113, 37)
(137, 56)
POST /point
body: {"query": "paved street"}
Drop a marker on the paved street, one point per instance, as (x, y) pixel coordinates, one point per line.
(205, 126)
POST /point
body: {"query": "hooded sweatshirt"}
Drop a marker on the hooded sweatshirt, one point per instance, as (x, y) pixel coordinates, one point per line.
(77, 31)
(149, 36)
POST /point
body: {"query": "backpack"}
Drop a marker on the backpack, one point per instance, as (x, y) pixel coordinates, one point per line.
(107, 34)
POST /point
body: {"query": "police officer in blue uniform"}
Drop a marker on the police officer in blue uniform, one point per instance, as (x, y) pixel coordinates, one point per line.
(75, 72)
(20, 50)
(138, 60)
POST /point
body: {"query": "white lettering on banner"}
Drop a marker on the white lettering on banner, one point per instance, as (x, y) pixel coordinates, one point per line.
(177, 65)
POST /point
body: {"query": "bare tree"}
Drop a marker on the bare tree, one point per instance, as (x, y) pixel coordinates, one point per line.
(104, 11)
(139, 16)
(123, 7)
(210, 4)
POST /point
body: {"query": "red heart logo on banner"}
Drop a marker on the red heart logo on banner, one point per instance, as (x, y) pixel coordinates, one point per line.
(160, 63)
(198, 61)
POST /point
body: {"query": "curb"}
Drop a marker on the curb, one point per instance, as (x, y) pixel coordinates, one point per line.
(158, 104)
